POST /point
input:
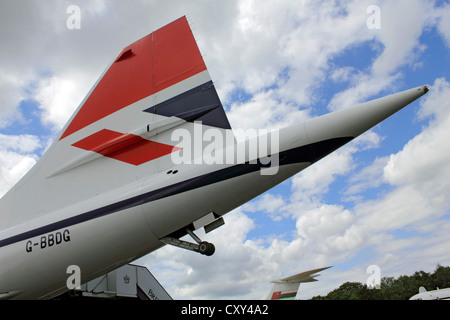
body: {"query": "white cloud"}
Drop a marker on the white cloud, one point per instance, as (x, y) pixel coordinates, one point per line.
(406, 20)
(444, 23)
(10, 98)
(268, 203)
(313, 183)
(402, 19)
(363, 86)
(37, 43)
(273, 112)
(16, 158)
(22, 143)
(417, 204)
(288, 41)
(13, 166)
(369, 177)
(59, 96)
(400, 208)
(435, 104)
(424, 162)
(327, 222)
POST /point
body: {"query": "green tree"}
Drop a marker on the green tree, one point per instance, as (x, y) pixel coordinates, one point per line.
(401, 288)
(347, 291)
(440, 278)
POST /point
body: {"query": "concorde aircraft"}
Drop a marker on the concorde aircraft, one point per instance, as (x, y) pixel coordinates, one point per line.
(128, 175)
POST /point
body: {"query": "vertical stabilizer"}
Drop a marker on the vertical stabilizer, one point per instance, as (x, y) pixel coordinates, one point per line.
(287, 288)
(124, 125)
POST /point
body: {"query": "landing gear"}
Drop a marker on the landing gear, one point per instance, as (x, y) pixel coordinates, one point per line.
(202, 247)
(206, 248)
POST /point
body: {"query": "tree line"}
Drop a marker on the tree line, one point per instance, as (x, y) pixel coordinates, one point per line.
(401, 288)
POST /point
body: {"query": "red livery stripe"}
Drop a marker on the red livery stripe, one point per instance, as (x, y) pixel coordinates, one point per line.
(278, 295)
(126, 147)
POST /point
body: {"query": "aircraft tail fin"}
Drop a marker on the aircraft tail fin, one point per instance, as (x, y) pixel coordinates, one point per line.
(287, 288)
(158, 68)
(281, 291)
(155, 85)
(122, 129)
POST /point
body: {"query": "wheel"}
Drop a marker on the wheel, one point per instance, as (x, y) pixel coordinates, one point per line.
(206, 248)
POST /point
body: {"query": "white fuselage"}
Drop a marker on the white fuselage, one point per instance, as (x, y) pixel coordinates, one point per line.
(113, 228)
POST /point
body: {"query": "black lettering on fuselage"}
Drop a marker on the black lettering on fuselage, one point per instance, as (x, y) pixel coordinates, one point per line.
(48, 240)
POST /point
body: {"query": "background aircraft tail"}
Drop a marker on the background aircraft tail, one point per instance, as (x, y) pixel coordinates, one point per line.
(287, 288)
